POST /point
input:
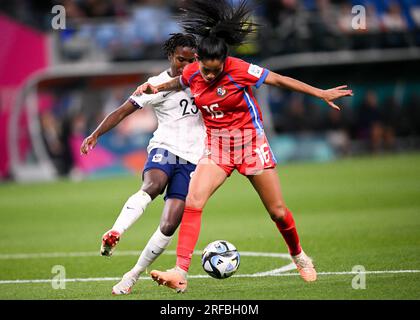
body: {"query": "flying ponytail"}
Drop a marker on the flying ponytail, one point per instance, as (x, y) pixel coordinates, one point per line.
(218, 24)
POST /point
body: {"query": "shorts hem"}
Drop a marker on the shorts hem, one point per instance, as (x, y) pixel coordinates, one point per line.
(175, 196)
(151, 168)
(227, 171)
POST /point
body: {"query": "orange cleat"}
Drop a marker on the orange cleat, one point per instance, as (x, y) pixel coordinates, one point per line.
(109, 241)
(305, 267)
(171, 278)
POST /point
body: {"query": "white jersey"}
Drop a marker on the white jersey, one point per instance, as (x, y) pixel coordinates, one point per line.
(180, 126)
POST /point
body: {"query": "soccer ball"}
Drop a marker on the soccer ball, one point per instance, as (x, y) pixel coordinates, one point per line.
(220, 259)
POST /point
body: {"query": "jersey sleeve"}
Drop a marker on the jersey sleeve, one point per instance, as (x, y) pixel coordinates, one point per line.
(248, 74)
(142, 100)
(189, 72)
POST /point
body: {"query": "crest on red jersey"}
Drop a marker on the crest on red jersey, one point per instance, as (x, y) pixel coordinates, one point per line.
(221, 91)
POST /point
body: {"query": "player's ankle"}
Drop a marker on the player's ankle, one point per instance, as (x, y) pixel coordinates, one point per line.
(135, 273)
(183, 272)
(297, 255)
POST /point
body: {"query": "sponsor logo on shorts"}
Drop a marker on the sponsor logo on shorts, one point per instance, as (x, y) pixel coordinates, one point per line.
(157, 158)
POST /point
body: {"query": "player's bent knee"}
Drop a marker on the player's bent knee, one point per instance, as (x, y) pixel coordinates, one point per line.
(152, 188)
(195, 200)
(167, 228)
(277, 212)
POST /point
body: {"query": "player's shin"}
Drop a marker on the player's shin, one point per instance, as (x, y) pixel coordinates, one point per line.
(156, 245)
(187, 238)
(131, 211)
(287, 228)
(303, 263)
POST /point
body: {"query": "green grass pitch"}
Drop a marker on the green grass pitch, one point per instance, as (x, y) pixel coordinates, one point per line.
(360, 211)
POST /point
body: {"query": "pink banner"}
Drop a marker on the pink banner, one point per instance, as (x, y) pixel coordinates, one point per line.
(23, 51)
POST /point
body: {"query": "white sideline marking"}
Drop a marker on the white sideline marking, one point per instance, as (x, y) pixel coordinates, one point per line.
(199, 276)
(290, 266)
(280, 272)
(47, 255)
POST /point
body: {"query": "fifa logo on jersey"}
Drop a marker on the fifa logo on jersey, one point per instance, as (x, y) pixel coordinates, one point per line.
(221, 91)
(157, 158)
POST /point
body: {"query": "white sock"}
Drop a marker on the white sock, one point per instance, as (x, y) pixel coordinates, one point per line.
(156, 245)
(132, 210)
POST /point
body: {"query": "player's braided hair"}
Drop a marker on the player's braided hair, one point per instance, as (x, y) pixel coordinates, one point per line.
(218, 23)
(179, 40)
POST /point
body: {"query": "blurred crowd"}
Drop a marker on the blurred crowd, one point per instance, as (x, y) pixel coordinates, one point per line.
(374, 123)
(322, 25)
(134, 29)
(118, 30)
(68, 116)
(381, 119)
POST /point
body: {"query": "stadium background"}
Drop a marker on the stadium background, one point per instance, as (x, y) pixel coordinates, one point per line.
(57, 84)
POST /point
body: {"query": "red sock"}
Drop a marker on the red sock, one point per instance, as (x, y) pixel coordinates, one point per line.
(188, 236)
(287, 228)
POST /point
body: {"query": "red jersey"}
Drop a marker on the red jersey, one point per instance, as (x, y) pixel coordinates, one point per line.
(228, 101)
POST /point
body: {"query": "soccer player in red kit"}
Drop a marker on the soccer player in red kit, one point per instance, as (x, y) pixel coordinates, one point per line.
(222, 88)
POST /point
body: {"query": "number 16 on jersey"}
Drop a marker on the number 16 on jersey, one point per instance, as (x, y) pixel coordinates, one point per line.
(215, 114)
(264, 153)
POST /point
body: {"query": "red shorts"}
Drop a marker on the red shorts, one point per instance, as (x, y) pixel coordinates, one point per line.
(247, 152)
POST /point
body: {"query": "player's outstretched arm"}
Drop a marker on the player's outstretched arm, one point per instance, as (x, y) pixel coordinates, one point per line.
(328, 96)
(147, 88)
(110, 121)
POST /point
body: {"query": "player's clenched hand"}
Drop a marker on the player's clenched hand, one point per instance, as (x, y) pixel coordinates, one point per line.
(145, 88)
(331, 94)
(88, 144)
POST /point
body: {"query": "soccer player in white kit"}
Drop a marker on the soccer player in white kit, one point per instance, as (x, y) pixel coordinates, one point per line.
(174, 150)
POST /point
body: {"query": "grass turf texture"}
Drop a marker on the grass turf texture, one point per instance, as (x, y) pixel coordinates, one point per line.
(360, 211)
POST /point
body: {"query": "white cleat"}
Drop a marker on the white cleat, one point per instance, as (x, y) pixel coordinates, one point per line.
(125, 285)
(305, 267)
